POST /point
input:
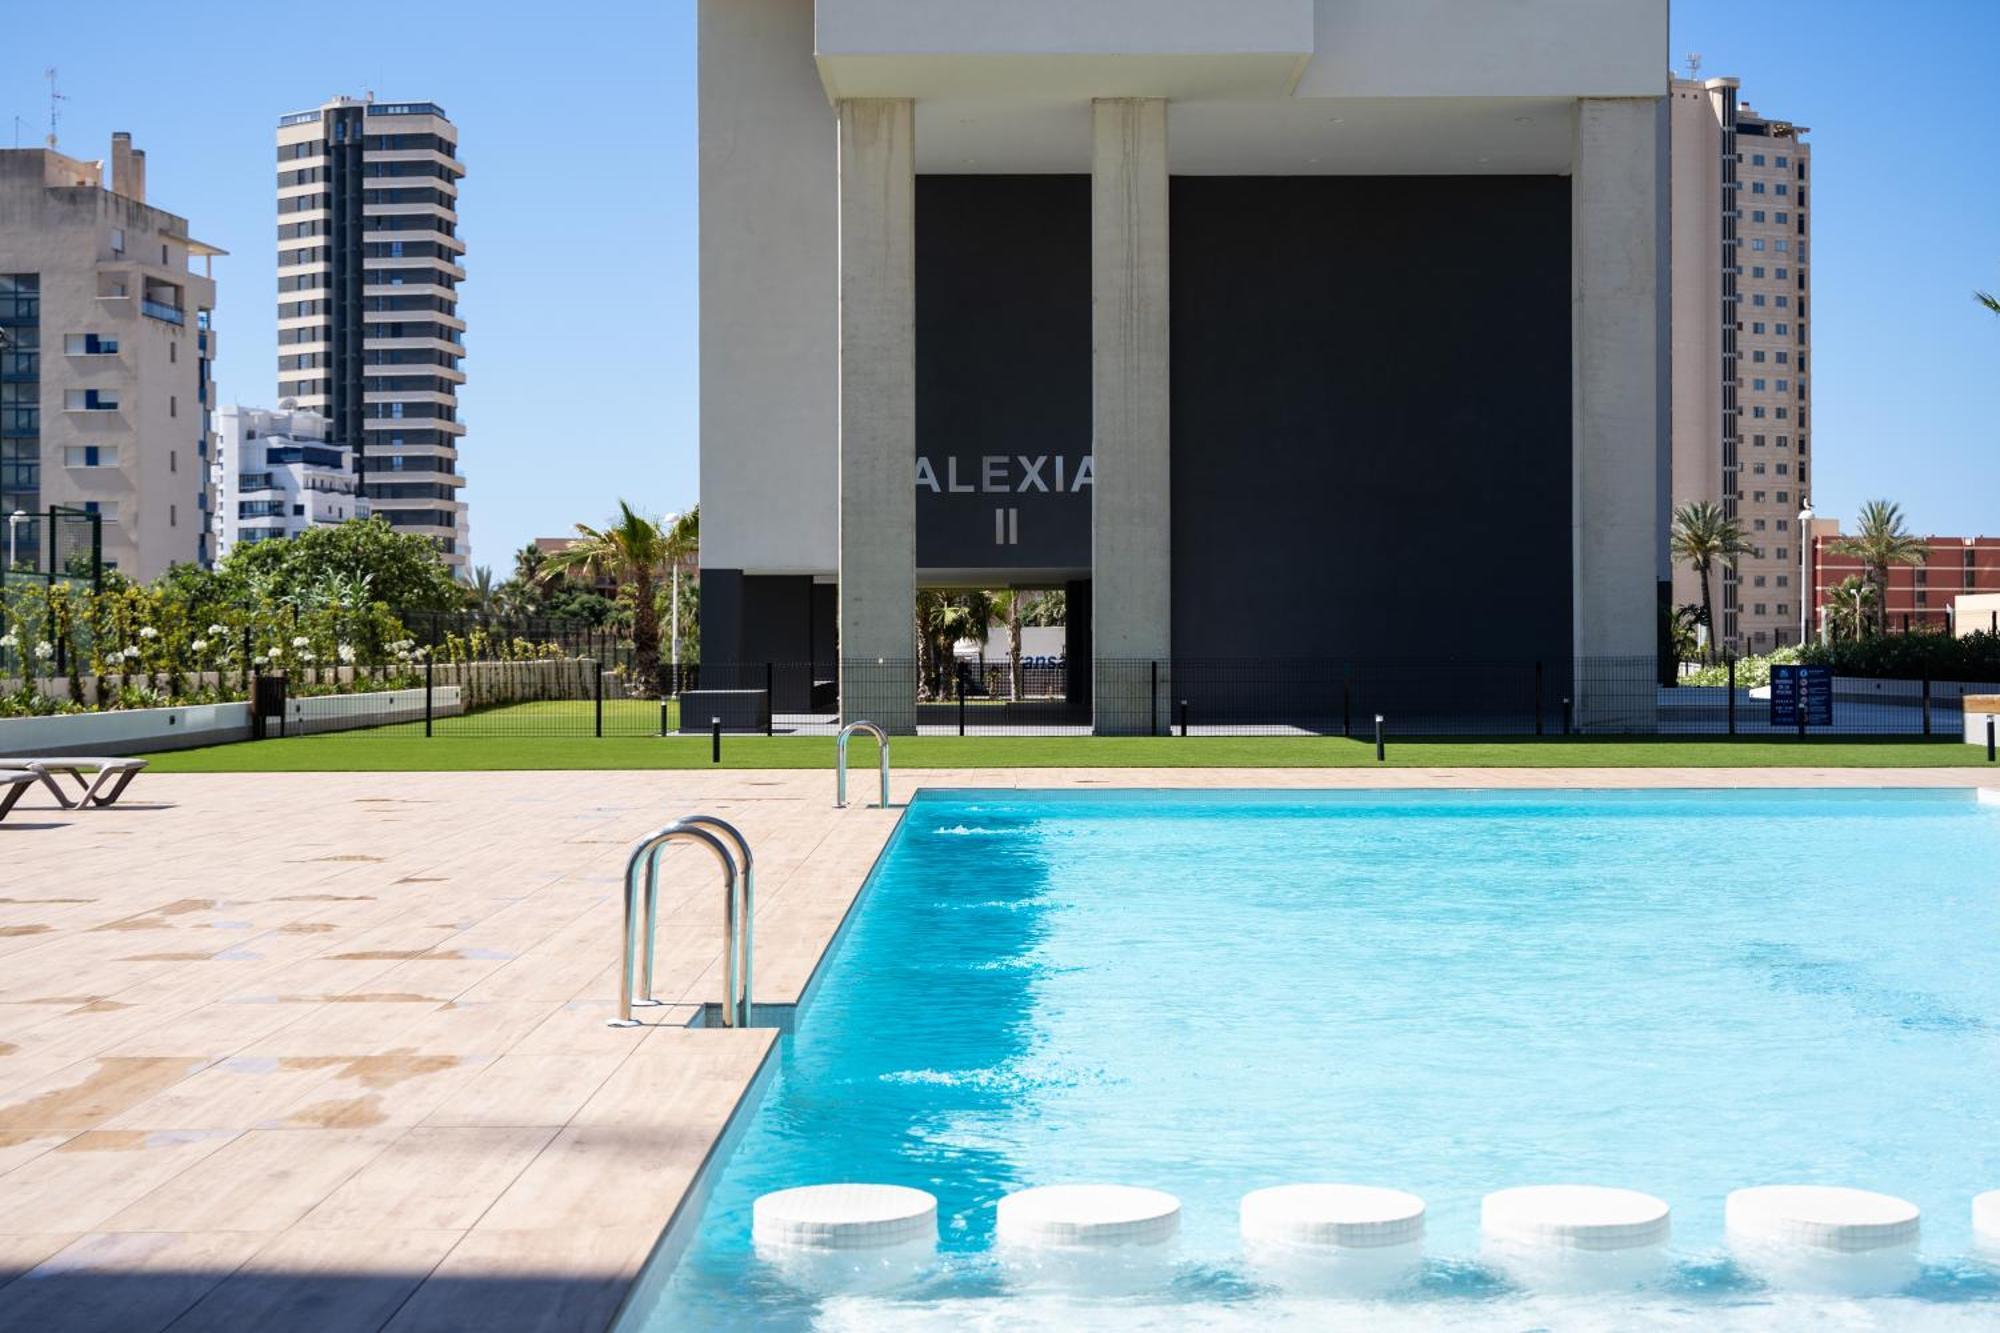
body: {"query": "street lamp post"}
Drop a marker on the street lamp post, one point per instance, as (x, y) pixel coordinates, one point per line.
(674, 573)
(1806, 592)
(14, 522)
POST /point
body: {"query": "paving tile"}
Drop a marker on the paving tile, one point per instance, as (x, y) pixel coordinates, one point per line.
(124, 1283)
(263, 1180)
(526, 1090)
(431, 1179)
(321, 1282)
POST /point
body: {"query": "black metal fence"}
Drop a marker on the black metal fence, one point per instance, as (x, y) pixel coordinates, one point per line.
(498, 682)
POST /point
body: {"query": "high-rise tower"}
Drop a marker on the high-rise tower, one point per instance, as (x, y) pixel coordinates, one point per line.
(1742, 348)
(369, 263)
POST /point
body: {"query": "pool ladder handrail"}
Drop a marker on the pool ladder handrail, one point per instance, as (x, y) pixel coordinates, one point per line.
(739, 900)
(840, 761)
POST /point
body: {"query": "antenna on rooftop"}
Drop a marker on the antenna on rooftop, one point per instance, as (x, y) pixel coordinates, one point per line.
(54, 98)
(1694, 65)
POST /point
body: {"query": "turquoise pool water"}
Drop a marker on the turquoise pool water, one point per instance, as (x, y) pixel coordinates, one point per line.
(1444, 992)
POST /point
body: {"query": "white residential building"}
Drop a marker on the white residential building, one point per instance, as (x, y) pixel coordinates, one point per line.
(105, 353)
(369, 263)
(278, 473)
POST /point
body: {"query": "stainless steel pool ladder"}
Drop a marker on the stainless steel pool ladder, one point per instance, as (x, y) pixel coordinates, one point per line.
(739, 902)
(840, 761)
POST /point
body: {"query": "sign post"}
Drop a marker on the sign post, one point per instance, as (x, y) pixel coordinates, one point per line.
(1801, 696)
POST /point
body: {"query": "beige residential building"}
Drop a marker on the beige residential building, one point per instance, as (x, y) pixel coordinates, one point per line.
(1742, 344)
(105, 350)
(369, 263)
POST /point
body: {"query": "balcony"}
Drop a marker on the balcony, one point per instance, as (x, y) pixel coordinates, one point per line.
(161, 311)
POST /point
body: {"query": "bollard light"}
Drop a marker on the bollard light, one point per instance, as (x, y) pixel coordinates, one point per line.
(1380, 755)
(715, 740)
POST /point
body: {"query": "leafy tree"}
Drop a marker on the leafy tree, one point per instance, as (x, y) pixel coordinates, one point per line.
(1703, 535)
(1882, 541)
(357, 562)
(636, 551)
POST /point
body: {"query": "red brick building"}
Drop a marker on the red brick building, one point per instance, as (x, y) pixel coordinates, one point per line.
(1918, 594)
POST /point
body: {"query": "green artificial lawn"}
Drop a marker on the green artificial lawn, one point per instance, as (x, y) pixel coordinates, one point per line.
(557, 735)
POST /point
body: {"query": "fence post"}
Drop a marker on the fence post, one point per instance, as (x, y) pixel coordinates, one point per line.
(961, 705)
(770, 696)
(1153, 703)
(1538, 698)
(430, 672)
(597, 693)
(1927, 704)
(1730, 658)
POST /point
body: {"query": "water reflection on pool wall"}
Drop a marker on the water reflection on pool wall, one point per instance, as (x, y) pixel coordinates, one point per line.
(1444, 993)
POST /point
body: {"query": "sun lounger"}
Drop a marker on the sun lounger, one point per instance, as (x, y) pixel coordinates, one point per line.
(113, 776)
(12, 783)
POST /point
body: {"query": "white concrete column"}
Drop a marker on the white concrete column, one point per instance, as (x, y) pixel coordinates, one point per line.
(1131, 513)
(878, 413)
(1620, 386)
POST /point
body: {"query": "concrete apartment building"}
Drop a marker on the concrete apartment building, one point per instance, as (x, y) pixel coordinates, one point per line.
(369, 263)
(1742, 348)
(1205, 313)
(105, 384)
(279, 473)
(1955, 588)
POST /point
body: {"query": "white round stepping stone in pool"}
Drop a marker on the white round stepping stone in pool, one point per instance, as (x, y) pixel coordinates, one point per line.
(1986, 1222)
(1824, 1237)
(1071, 1216)
(1575, 1236)
(1106, 1239)
(845, 1237)
(1359, 1239)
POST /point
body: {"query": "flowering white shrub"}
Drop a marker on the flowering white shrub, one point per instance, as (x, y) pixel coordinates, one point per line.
(148, 632)
(44, 650)
(199, 646)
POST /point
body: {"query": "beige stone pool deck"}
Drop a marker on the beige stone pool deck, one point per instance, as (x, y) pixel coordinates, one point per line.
(327, 1051)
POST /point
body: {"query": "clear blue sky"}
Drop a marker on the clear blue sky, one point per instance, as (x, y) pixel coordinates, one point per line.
(577, 125)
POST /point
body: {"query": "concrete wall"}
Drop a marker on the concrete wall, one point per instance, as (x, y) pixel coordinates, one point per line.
(150, 730)
(768, 263)
(1618, 321)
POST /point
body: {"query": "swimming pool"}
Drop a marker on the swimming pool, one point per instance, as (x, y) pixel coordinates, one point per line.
(1683, 992)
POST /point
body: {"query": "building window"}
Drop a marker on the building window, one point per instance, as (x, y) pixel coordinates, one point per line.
(90, 455)
(90, 400)
(89, 344)
(117, 240)
(1757, 243)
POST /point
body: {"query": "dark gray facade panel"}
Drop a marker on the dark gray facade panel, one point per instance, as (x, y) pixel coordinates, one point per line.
(1371, 418)
(1003, 372)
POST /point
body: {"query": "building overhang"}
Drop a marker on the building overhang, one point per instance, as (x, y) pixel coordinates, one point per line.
(1256, 86)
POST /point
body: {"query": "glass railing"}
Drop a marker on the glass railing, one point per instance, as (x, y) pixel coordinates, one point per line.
(161, 311)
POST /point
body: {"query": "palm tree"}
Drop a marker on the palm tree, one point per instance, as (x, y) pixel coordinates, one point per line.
(683, 548)
(635, 551)
(1008, 604)
(1847, 607)
(1702, 535)
(482, 594)
(1881, 542)
(943, 618)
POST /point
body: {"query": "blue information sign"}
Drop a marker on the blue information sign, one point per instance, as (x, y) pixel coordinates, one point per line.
(1795, 687)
